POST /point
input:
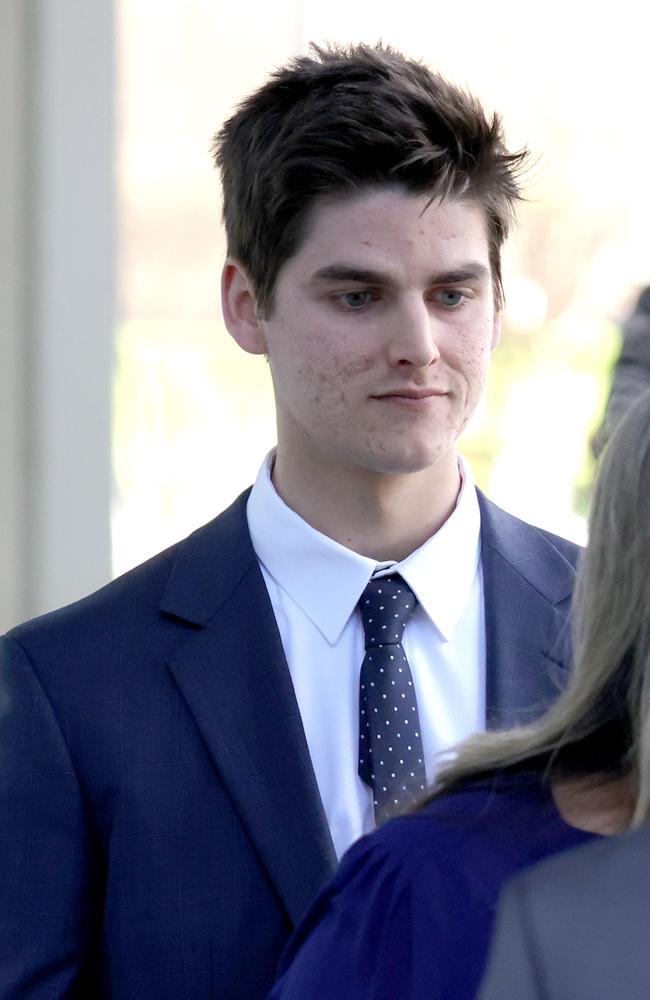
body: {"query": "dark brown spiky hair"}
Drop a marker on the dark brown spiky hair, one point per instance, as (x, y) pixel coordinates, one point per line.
(342, 119)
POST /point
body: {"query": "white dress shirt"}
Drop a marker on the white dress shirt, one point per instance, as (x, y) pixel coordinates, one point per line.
(315, 584)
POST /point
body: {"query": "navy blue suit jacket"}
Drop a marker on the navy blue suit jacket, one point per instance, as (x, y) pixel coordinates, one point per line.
(161, 830)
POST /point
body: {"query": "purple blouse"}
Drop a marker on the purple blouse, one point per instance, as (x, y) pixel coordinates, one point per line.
(409, 912)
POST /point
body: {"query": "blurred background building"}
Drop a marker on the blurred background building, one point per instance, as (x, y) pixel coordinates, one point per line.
(126, 415)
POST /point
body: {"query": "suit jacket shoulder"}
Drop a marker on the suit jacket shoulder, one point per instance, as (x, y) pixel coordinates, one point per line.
(164, 804)
(521, 539)
(528, 580)
(219, 553)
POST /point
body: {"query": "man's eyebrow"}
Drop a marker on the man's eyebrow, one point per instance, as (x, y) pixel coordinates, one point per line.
(347, 272)
(472, 271)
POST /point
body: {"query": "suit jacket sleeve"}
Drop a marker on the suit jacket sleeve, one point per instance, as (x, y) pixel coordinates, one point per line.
(512, 969)
(46, 877)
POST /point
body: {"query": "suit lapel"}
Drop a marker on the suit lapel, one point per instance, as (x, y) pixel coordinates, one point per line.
(527, 584)
(234, 677)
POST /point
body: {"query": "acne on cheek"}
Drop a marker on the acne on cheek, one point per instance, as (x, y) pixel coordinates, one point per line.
(339, 355)
(331, 368)
(346, 367)
(325, 388)
(472, 356)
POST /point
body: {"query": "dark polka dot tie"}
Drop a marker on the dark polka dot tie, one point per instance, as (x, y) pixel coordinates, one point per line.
(391, 760)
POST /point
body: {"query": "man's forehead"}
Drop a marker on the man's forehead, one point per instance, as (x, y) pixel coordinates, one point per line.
(378, 232)
(391, 212)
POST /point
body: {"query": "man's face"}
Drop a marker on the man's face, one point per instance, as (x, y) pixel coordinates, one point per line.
(381, 331)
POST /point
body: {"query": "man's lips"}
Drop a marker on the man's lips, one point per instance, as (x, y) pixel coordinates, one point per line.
(405, 393)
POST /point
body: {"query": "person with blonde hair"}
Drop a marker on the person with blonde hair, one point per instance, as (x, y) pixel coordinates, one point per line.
(410, 911)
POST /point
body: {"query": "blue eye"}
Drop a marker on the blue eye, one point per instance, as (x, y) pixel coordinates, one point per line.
(355, 300)
(451, 298)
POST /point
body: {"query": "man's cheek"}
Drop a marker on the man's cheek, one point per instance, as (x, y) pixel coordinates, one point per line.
(350, 366)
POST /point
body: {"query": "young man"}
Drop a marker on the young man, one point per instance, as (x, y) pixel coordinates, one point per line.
(187, 751)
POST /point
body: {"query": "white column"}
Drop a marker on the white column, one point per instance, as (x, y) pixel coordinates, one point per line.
(61, 331)
(13, 340)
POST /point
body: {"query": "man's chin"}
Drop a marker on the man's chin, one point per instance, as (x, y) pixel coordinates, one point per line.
(407, 463)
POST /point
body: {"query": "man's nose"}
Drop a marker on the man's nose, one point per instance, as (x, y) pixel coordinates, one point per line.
(413, 339)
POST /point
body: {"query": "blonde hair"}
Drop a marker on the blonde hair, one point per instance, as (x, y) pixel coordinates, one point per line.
(601, 722)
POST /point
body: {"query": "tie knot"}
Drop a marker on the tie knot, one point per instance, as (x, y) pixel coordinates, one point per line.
(386, 605)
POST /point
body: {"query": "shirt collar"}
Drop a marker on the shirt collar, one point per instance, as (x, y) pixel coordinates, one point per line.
(326, 579)
(441, 572)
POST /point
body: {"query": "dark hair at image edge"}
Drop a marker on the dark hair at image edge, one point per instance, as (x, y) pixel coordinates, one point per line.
(346, 118)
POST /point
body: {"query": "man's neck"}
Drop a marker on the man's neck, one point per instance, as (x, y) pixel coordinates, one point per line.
(379, 515)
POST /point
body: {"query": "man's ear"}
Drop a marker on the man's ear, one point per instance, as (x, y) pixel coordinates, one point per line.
(496, 329)
(239, 308)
